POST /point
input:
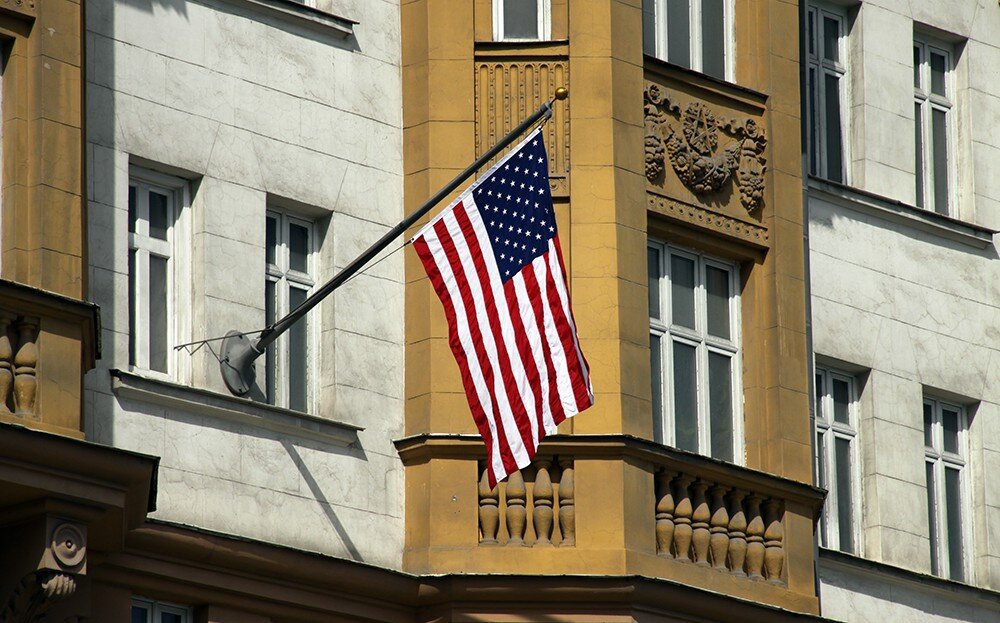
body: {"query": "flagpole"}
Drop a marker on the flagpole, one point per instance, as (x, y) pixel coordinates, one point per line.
(239, 353)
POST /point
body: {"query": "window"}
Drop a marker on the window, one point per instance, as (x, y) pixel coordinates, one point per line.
(147, 611)
(945, 451)
(694, 345)
(932, 93)
(836, 458)
(696, 34)
(288, 280)
(155, 268)
(826, 36)
(521, 20)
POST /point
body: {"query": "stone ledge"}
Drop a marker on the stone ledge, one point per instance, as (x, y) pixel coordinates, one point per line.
(895, 211)
(302, 15)
(232, 409)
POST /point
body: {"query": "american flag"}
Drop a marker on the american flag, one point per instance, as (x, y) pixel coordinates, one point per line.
(494, 260)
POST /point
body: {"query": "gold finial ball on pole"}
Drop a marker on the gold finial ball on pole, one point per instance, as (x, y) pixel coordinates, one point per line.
(561, 93)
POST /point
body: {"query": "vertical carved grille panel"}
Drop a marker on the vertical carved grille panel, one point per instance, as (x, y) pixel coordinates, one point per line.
(509, 90)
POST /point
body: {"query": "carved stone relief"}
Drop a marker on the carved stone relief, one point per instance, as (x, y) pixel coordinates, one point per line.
(694, 152)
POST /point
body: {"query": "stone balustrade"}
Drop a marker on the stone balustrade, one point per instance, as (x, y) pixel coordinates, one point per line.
(18, 364)
(534, 507)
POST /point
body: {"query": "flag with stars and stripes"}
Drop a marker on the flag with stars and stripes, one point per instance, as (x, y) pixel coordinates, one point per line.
(494, 260)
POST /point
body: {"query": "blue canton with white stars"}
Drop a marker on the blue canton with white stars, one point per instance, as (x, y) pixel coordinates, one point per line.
(516, 205)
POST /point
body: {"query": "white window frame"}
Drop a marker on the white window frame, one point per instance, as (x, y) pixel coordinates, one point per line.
(704, 343)
(828, 430)
(284, 278)
(176, 249)
(657, 10)
(544, 22)
(940, 460)
(155, 609)
(929, 102)
(821, 67)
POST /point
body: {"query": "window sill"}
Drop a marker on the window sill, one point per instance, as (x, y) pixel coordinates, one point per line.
(302, 15)
(229, 408)
(895, 211)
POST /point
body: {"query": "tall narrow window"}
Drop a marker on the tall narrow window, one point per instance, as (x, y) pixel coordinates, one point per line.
(696, 34)
(826, 32)
(694, 341)
(148, 611)
(836, 458)
(154, 202)
(289, 278)
(932, 94)
(521, 20)
(945, 452)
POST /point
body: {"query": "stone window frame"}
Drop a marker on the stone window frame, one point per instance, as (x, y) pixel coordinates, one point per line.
(819, 64)
(828, 431)
(937, 460)
(655, 35)
(177, 250)
(661, 327)
(544, 17)
(156, 609)
(926, 103)
(284, 280)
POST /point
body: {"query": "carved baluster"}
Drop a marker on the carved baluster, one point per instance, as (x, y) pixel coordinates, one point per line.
(542, 505)
(6, 363)
(567, 508)
(755, 538)
(664, 512)
(25, 363)
(774, 551)
(737, 532)
(682, 519)
(719, 542)
(516, 513)
(489, 511)
(699, 523)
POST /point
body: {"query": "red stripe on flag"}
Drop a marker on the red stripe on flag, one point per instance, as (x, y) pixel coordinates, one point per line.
(577, 378)
(576, 337)
(535, 294)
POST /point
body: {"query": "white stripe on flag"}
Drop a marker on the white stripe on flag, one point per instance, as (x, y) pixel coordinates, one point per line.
(535, 343)
(564, 299)
(563, 381)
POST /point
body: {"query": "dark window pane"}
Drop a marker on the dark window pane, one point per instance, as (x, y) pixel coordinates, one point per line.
(717, 287)
(271, 364)
(159, 215)
(158, 346)
(928, 425)
(834, 146)
(713, 38)
(131, 307)
(720, 405)
(939, 128)
(678, 32)
(653, 272)
(812, 32)
(170, 617)
(520, 19)
(140, 614)
(831, 38)
(953, 511)
(649, 27)
(685, 397)
(814, 125)
(298, 248)
(845, 499)
(133, 213)
(938, 70)
(917, 59)
(841, 401)
(298, 356)
(682, 291)
(271, 242)
(932, 518)
(656, 379)
(919, 160)
(949, 420)
(818, 397)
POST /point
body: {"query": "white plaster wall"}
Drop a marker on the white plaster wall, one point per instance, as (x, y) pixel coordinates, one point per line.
(254, 109)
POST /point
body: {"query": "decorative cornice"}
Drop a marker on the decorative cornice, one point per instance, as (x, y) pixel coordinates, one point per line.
(699, 216)
(24, 9)
(695, 154)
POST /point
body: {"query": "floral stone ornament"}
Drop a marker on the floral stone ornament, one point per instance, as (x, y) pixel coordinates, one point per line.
(694, 152)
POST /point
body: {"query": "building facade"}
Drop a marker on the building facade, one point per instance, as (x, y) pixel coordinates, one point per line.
(902, 204)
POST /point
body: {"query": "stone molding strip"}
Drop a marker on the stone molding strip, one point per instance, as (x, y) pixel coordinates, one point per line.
(715, 222)
(303, 15)
(232, 409)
